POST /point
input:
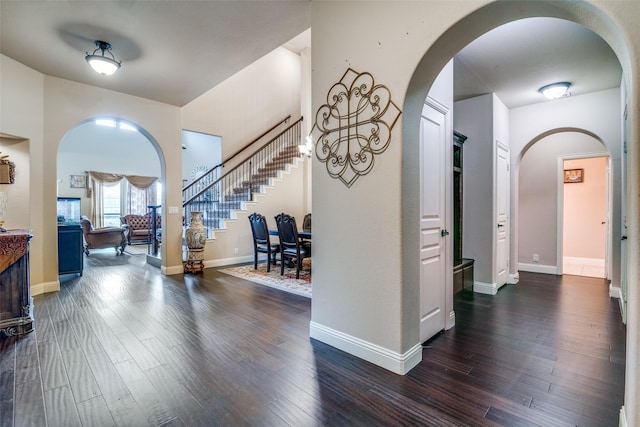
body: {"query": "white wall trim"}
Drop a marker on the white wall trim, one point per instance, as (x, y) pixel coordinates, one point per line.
(623, 418)
(538, 268)
(615, 291)
(45, 287)
(485, 288)
(172, 269)
(592, 262)
(390, 360)
(231, 261)
(514, 278)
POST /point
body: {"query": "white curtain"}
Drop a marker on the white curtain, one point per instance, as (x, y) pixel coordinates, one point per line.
(97, 180)
(139, 191)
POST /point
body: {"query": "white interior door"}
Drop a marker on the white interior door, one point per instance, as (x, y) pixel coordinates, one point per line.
(502, 214)
(433, 235)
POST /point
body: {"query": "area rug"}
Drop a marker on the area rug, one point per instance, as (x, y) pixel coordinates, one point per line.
(273, 279)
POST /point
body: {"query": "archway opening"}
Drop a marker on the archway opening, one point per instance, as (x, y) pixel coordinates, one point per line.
(107, 168)
(458, 36)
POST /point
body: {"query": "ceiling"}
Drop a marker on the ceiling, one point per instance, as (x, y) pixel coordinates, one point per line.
(174, 51)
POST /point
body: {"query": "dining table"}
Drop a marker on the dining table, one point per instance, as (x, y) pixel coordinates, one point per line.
(301, 234)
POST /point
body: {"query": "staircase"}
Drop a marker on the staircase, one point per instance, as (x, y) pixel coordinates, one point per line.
(219, 196)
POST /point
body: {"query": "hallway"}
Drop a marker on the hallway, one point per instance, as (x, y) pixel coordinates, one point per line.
(123, 345)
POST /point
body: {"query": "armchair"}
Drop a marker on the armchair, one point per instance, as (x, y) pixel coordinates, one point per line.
(99, 238)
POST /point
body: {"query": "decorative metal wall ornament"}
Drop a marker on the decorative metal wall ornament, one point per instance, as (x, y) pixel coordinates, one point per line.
(355, 125)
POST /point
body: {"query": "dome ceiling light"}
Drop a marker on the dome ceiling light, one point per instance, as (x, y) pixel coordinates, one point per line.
(100, 63)
(556, 90)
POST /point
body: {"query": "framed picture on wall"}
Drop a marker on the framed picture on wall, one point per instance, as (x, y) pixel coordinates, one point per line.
(573, 175)
(77, 181)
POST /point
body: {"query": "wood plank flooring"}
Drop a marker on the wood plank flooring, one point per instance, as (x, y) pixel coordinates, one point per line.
(124, 345)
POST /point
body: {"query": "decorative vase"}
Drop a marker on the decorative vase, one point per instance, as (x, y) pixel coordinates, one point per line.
(196, 237)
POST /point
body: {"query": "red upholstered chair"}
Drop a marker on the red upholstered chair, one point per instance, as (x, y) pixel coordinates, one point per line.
(261, 241)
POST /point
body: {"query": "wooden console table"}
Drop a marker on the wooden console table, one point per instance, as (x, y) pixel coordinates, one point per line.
(15, 296)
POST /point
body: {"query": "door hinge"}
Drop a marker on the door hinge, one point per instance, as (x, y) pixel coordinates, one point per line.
(444, 233)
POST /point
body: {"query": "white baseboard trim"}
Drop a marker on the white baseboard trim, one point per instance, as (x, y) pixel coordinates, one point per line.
(623, 418)
(390, 360)
(592, 262)
(45, 287)
(172, 269)
(614, 291)
(485, 288)
(537, 268)
(179, 269)
(230, 261)
(514, 278)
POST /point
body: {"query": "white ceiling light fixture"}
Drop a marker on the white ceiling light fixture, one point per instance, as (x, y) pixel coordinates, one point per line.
(556, 90)
(100, 63)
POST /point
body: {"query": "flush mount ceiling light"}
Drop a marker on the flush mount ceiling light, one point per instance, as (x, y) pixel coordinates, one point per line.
(100, 63)
(555, 90)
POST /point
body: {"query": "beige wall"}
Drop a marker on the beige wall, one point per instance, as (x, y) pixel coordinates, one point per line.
(585, 210)
(538, 196)
(250, 102)
(17, 215)
(595, 115)
(22, 115)
(365, 244)
(56, 106)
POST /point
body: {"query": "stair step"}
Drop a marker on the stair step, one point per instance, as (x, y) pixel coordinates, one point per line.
(219, 211)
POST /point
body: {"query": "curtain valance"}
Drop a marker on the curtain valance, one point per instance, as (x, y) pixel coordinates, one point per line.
(140, 182)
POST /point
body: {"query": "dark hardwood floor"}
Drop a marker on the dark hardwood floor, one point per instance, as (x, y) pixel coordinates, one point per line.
(124, 345)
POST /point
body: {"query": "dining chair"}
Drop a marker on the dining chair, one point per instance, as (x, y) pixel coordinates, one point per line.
(261, 241)
(291, 248)
(306, 222)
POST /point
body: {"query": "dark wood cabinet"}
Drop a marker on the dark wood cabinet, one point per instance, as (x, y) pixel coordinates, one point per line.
(70, 255)
(462, 267)
(15, 298)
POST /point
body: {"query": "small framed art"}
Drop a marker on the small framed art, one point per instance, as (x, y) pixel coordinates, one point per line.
(573, 176)
(77, 181)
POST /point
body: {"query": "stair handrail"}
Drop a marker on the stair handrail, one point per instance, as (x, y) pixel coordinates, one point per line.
(221, 164)
(242, 164)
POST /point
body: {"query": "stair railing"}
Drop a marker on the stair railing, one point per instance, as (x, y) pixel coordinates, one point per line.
(214, 173)
(217, 196)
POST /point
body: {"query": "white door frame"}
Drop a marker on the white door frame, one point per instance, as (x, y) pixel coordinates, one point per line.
(560, 214)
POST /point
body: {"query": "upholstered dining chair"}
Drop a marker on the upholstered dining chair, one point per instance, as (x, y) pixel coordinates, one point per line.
(306, 222)
(290, 246)
(261, 241)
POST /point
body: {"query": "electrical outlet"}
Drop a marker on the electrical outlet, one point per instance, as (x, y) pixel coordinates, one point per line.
(235, 251)
(536, 258)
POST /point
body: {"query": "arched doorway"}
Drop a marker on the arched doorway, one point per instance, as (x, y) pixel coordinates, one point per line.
(115, 146)
(543, 225)
(458, 36)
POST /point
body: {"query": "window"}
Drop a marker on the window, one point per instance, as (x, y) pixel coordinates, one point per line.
(112, 202)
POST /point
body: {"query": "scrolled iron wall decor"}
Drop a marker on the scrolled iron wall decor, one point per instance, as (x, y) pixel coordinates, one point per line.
(355, 125)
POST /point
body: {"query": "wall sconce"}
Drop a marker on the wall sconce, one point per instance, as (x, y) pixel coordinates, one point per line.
(556, 90)
(100, 63)
(307, 147)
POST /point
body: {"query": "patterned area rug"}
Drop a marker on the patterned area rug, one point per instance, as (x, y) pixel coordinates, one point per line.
(287, 283)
